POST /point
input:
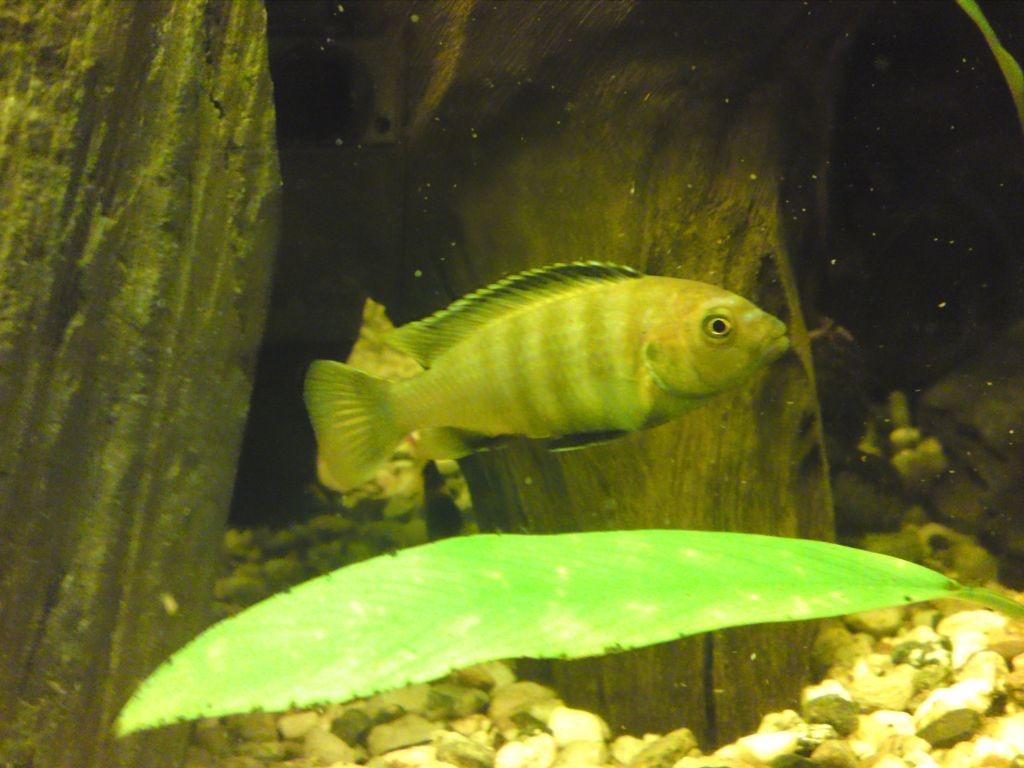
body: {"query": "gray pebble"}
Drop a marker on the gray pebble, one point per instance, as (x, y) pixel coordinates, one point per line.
(406, 731)
(518, 699)
(255, 726)
(352, 725)
(461, 751)
(664, 752)
(413, 699)
(451, 700)
(837, 711)
(950, 728)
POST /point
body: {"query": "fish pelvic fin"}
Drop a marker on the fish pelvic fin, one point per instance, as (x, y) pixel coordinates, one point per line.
(353, 419)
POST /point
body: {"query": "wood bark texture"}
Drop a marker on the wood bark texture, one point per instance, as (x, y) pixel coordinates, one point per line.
(138, 176)
(683, 139)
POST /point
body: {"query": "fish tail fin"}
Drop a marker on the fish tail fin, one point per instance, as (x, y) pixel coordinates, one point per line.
(353, 417)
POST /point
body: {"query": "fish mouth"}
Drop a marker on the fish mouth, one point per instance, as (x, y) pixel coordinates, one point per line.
(777, 344)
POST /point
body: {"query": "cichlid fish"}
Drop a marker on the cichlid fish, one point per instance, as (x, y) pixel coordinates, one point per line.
(572, 353)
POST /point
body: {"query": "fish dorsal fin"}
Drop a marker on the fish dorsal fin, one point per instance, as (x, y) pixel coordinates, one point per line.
(426, 339)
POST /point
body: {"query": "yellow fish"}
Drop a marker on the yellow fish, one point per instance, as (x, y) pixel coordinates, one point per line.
(572, 353)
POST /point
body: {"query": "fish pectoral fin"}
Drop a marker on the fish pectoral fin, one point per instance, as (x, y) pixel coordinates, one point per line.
(583, 439)
(452, 443)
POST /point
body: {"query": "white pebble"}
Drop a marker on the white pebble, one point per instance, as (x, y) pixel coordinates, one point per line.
(993, 752)
(418, 756)
(568, 725)
(295, 725)
(889, 761)
(919, 759)
(765, 747)
(984, 665)
(625, 748)
(534, 752)
(987, 622)
(582, 753)
(1010, 731)
(965, 644)
(786, 720)
(891, 691)
(969, 694)
(880, 726)
(827, 687)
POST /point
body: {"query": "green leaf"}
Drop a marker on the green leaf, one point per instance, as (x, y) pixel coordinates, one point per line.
(1011, 69)
(416, 615)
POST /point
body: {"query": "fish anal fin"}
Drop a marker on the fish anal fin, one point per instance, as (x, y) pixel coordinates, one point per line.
(582, 440)
(452, 443)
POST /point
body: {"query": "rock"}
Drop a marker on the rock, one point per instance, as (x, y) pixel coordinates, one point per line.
(295, 725)
(891, 690)
(991, 752)
(582, 753)
(538, 751)
(877, 623)
(951, 727)
(327, 748)
(1010, 730)
(766, 747)
(519, 698)
(921, 646)
(568, 725)
(711, 761)
(975, 411)
(269, 751)
(789, 760)
(448, 700)
(352, 725)
(461, 751)
(256, 726)
(786, 720)
(197, 757)
(477, 727)
(984, 665)
(625, 748)
(835, 645)
(834, 754)
(212, 736)
(664, 752)
(414, 699)
(838, 711)
(879, 727)
(969, 694)
(406, 731)
(488, 676)
(420, 756)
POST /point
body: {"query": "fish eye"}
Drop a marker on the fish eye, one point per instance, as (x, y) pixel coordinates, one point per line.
(717, 326)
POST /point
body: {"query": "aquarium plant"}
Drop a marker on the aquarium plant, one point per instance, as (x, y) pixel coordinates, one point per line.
(415, 615)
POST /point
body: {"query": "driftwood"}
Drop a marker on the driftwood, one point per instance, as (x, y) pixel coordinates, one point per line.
(683, 139)
(138, 176)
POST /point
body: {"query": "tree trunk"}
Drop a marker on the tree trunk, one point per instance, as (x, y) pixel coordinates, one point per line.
(681, 138)
(138, 176)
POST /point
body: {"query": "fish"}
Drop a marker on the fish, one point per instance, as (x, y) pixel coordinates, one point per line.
(572, 354)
